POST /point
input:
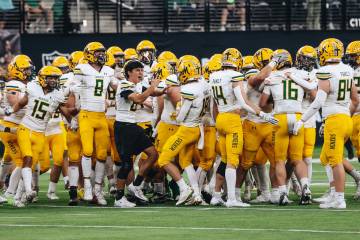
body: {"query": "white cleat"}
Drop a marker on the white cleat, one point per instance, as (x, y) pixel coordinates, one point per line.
(195, 200)
(100, 198)
(284, 200)
(112, 190)
(3, 200)
(124, 203)
(333, 203)
(52, 196)
(326, 197)
(262, 198)
(88, 196)
(137, 192)
(235, 203)
(275, 197)
(19, 204)
(30, 196)
(217, 201)
(184, 196)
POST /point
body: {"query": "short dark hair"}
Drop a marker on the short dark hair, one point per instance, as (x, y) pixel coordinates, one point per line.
(131, 65)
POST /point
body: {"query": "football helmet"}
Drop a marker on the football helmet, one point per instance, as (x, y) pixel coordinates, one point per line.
(188, 70)
(161, 70)
(48, 77)
(110, 60)
(352, 54)
(247, 63)
(130, 53)
(62, 63)
(262, 57)
(20, 68)
(168, 57)
(231, 57)
(94, 52)
(118, 54)
(306, 58)
(216, 56)
(284, 61)
(146, 51)
(330, 50)
(210, 67)
(75, 58)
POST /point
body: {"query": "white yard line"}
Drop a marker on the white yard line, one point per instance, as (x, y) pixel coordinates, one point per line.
(11, 217)
(181, 228)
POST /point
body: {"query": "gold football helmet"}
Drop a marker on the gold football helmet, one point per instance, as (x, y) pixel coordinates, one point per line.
(247, 63)
(49, 76)
(20, 68)
(161, 70)
(75, 58)
(62, 63)
(130, 53)
(94, 52)
(188, 70)
(352, 53)
(118, 54)
(232, 57)
(285, 60)
(216, 56)
(169, 57)
(262, 57)
(306, 58)
(110, 60)
(146, 51)
(330, 50)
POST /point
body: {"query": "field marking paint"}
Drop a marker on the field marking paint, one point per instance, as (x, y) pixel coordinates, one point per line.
(80, 214)
(181, 228)
(11, 217)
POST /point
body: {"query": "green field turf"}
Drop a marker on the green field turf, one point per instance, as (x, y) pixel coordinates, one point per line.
(55, 220)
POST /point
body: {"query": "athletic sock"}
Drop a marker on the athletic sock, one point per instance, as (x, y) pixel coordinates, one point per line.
(99, 172)
(282, 189)
(355, 175)
(263, 178)
(182, 185)
(329, 173)
(52, 187)
(86, 166)
(238, 193)
(26, 175)
(308, 162)
(230, 176)
(192, 179)
(303, 182)
(73, 175)
(5, 170)
(14, 180)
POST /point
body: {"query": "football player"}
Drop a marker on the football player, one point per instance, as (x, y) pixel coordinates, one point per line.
(119, 57)
(287, 97)
(335, 93)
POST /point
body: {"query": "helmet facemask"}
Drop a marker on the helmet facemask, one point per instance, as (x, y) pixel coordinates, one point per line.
(147, 56)
(306, 63)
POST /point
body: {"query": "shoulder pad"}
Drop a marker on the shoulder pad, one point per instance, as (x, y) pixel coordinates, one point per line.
(188, 95)
(323, 75)
(77, 71)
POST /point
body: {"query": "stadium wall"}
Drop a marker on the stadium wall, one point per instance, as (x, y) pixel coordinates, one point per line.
(41, 47)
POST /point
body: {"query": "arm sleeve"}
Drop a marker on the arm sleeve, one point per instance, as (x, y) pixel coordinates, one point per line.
(184, 110)
(303, 83)
(125, 94)
(239, 97)
(315, 105)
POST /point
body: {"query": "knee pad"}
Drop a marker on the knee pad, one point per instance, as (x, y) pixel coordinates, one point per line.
(221, 169)
(125, 169)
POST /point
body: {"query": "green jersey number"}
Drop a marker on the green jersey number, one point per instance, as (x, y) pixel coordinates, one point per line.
(289, 92)
(99, 87)
(357, 83)
(218, 94)
(205, 106)
(344, 87)
(111, 93)
(39, 112)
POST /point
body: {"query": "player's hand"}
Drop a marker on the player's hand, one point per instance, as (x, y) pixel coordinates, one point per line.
(297, 126)
(8, 111)
(321, 130)
(268, 117)
(155, 82)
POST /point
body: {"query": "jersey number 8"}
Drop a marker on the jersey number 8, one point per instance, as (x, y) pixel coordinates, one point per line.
(99, 87)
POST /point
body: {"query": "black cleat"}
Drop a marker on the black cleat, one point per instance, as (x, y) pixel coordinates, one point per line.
(174, 189)
(283, 199)
(206, 197)
(305, 196)
(158, 198)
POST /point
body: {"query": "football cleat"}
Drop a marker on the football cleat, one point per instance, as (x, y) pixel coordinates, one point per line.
(284, 200)
(184, 196)
(158, 198)
(30, 196)
(262, 198)
(334, 203)
(174, 189)
(112, 190)
(100, 200)
(194, 200)
(247, 193)
(206, 196)
(19, 204)
(52, 196)
(217, 201)
(326, 197)
(234, 203)
(275, 196)
(124, 203)
(3, 200)
(305, 196)
(137, 192)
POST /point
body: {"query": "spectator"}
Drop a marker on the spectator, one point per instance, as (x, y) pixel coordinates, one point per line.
(5, 6)
(38, 11)
(313, 14)
(234, 8)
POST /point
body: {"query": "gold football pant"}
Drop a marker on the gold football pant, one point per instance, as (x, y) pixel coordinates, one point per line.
(12, 149)
(338, 128)
(73, 141)
(355, 138)
(94, 128)
(288, 146)
(258, 139)
(164, 132)
(31, 144)
(112, 147)
(230, 137)
(55, 144)
(309, 142)
(208, 154)
(183, 142)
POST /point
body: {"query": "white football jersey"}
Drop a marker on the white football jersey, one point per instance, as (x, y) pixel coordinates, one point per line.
(125, 108)
(144, 113)
(19, 87)
(222, 90)
(340, 77)
(357, 83)
(110, 95)
(287, 95)
(93, 86)
(41, 106)
(207, 118)
(168, 114)
(197, 92)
